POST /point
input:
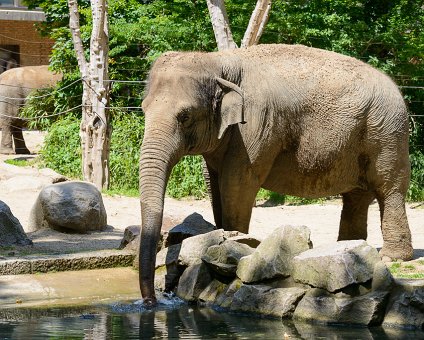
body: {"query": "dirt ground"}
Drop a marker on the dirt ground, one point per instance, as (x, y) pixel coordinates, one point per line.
(20, 186)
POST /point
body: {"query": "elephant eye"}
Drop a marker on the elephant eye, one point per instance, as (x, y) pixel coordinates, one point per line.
(183, 117)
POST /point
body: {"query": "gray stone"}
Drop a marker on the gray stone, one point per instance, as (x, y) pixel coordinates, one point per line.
(129, 239)
(382, 279)
(193, 282)
(167, 277)
(264, 300)
(192, 225)
(336, 266)
(225, 298)
(211, 292)
(168, 255)
(320, 306)
(193, 248)
(224, 258)
(69, 206)
(274, 256)
(406, 305)
(168, 272)
(11, 231)
(249, 240)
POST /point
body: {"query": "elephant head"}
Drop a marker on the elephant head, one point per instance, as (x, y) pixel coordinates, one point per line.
(191, 100)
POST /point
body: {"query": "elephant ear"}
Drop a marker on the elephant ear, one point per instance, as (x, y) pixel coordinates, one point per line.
(232, 105)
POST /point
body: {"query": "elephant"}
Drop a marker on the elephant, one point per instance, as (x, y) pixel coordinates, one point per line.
(15, 85)
(289, 118)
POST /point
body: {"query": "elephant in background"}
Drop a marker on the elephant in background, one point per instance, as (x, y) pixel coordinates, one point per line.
(291, 119)
(15, 86)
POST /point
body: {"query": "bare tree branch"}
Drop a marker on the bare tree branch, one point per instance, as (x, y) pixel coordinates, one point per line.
(74, 25)
(257, 23)
(220, 24)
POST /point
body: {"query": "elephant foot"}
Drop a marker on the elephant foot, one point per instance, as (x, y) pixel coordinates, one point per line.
(389, 254)
(7, 151)
(22, 151)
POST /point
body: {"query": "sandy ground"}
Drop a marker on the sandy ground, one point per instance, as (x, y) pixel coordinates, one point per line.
(19, 188)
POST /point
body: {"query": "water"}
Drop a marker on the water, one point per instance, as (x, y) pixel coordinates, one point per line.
(173, 320)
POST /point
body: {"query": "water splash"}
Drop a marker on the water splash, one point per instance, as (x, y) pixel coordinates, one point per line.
(165, 301)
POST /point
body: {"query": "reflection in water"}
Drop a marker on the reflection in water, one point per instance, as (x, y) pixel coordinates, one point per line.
(174, 321)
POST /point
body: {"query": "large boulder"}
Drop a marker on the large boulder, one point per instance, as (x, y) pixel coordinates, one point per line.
(406, 305)
(264, 300)
(193, 248)
(274, 256)
(320, 306)
(192, 225)
(69, 206)
(11, 231)
(224, 258)
(336, 266)
(193, 282)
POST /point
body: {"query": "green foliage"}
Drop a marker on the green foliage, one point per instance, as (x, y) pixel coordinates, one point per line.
(17, 162)
(416, 187)
(62, 150)
(127, 134)
(186, 179)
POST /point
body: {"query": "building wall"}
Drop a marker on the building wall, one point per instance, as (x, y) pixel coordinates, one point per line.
(23, 39)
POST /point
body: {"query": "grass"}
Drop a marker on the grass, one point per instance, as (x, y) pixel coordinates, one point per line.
(409, 270)
(18, 162)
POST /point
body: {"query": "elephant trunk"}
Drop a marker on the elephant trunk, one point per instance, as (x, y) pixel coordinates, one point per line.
(159, 153)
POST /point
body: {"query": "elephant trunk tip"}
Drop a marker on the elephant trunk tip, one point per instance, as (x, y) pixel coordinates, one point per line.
(150, 302)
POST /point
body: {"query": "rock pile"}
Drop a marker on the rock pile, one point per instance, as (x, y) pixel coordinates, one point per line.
(344, 282)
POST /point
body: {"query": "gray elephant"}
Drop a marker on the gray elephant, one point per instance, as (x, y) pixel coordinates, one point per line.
(15, 85)
(292, 119)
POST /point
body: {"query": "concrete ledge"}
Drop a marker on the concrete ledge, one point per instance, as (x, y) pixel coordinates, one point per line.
(22, 15)
(67, 262)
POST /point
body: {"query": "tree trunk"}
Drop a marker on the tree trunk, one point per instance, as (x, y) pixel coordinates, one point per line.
(220, 24)
(95, 130)
(257, 23)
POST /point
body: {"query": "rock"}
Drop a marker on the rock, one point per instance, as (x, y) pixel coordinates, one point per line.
(320, 306)
(193, 248)
(225, 299)
(406, 305)
(336, 266)
(224, 258)
(69, 206)
(264, 300)
(191, 226)
(11, 231)
(382, 279)
(274, 256)
(211, 292)
(167, 277)
(193, 282)
(130, 234)
(249, 240)
(168, 255)
(54, 176)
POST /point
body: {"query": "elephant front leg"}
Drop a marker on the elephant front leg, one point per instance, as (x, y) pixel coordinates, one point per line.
(212, 183)
(6, 146)
(353, 222)
(18, 140)
(238, 192)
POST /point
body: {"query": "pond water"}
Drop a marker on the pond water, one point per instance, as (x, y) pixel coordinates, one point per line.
(169, 321)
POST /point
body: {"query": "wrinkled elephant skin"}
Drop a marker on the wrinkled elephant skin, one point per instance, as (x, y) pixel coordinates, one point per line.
(292, 119)
(15, 85)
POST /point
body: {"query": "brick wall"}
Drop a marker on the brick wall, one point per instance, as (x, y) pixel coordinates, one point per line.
(33, 49)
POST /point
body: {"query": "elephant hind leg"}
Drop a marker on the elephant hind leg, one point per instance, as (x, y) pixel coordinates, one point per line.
(18, 140)
(397, 243)
(353, 222)
(6, 145)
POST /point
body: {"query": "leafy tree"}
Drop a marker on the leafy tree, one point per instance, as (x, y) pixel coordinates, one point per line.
(388, 34)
